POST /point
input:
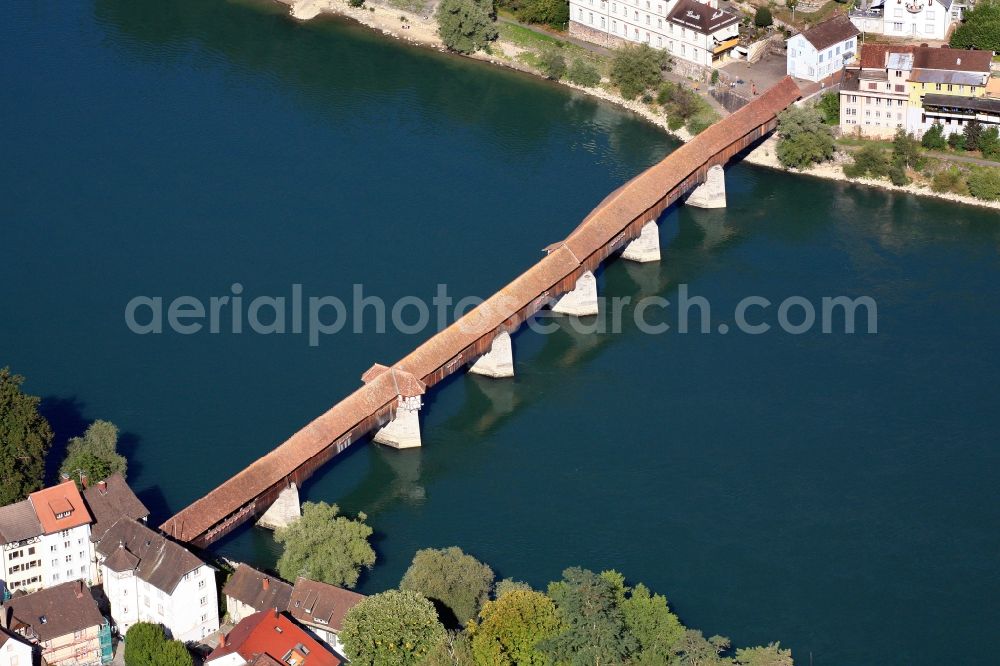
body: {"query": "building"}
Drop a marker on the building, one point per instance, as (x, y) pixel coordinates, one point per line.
(109, 500)
(912, 87)
(909, 19)
(691, 31)
(321, 608)
(269, 638)
(46, 540)
(148, 578)
(14, 650)
(248, 591)
(823, 49)
(64, 622)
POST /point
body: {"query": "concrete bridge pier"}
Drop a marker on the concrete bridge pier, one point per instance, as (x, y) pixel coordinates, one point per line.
(711, 193)
(499, 361)
(646, 247)
(582, 301)
(285, 510)
(403, 432)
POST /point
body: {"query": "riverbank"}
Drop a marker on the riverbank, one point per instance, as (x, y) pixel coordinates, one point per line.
(421, 30)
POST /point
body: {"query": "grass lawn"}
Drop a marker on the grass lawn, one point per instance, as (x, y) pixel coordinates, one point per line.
(537, 43)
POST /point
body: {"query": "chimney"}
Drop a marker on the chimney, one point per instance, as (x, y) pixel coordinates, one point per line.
(265, 583)
(79, 589)
(958, 61)
(5, 617)
(103, 487)
(83, 481)
(275, 613)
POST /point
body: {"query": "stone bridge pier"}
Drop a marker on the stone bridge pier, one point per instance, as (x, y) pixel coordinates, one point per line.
(711, 193)
(498, 362)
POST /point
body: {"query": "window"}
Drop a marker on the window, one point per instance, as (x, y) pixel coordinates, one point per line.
(929, 28)
(31, 551)
(204, 617)
(159, 609)
(55, 576)
(69, 558)
(203, 601)
(949, 87)
(897, 26)
(201, 584)
(53, 548)
(55, 562)
(937, 86)
(66, 544)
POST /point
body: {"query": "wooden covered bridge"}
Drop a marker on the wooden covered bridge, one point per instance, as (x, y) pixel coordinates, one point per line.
(388, 392)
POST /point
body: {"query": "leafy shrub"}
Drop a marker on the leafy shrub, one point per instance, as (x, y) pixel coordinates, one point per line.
(715, 76)
(466, 26)
(973, 132)
(980, 28)
(897, 174)
(906, 150)
(636, 69)
(583, 73)
(984, 183)
(553, 64)
(762, 18)
(933, 138)
(356, 3)
(949, 180)
(803, 138)
(989, 143)
(871, 161)
(956, 141)
(829, 106)
(551, 12)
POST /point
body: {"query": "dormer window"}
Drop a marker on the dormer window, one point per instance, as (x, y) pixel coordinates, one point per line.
(64, 514)
(43, 619)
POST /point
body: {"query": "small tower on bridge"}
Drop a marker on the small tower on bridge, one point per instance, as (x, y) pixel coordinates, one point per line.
(403, 432)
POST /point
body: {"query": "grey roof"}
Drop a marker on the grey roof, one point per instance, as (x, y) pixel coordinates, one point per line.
(900, 61)
(162, 563)
(110, 500)
(121, 560)
(945, 76)
(832, 31)
(701, 17)
(321, 604)
(18, 522)
(957, 102)
(55, 611)
(257, 589)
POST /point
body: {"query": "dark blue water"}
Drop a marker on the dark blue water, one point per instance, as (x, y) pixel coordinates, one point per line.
(835, 492)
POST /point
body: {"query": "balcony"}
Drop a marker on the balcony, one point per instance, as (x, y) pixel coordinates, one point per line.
(725, 46)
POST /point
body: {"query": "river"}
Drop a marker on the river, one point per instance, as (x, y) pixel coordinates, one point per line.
(836, 492)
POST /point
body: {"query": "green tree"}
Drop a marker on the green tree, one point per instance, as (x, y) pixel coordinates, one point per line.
(980, 28)
(973, 132)
(552, 12)
(803, 138)
(637, 68)
(552, 64)
(582, 73)
(594, 630)
(871, 161)
(933, 138)
(956, 140)
(693, 649)
(949, 180)
(829, 106)
(772, 655)
(25, 438)
(459, 582)
(146, 644)
(984, 183)
(325, 546)
(454, 650)
(648, 618)
(509, 585)
(95, 454)
(510, 628)
(394, 628)
(989, 143)
(762, 17)
(466, 26)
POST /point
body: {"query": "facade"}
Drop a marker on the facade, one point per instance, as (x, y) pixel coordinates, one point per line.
(64, 622)
(321, 608)
(908, 19)
(823, 49)
(14, 650)
(689, 30)
(269, 638)
(46, 540)
(914, 86)
(249, 591)
(148, 578)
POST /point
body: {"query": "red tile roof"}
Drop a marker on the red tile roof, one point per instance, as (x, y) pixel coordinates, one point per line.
(60, 507)
(875, 56)
(830, 32)
(272, 634)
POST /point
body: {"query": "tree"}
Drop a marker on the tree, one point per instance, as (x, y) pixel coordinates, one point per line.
(637, 68)
(949, 180)
(957, 141)
(466, 26)
(933, 138)
(146, 644)
(25, 438)
(394, 628)
(649, 619)
(324, 546)
(973, 132)
(458, 582)
(762, 17)
(454, 650)
(583, 74)
(594, 630)
(693, 649)
(510, 628)
(803, 138)
(552, 12)
(509, 585)
(989, 143)
(95, 454)
(553, 64)
(869, 161)
(980, 28)
(984, 183)
(829, 106)
(772, 655)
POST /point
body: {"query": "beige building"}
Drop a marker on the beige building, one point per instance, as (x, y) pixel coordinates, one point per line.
(64, 622)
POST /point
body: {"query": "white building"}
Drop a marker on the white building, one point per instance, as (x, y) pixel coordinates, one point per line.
(148, 578)
(690, 31)
(46, 540)
(823, 49)
(909, 19)
(14, 650)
